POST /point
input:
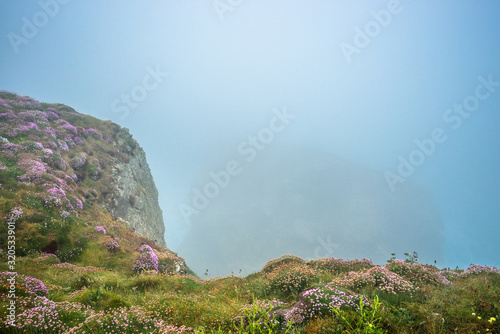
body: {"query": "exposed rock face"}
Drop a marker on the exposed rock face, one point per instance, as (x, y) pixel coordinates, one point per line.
(135, 197)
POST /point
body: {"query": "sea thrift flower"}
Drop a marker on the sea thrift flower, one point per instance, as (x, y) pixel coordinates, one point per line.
(10, 147)
(26, 117)
(417, 273)
(28, 102)
(69, 127)
(64, 213)
(476, 269)
(52, 115)
(28, 284)
(79, 161)
(15, 214)
(78, 203)
(377, 277)
(4, 104)
(30, 165)
(100, 229)
(63, 146)
(91, 132)
(319, 301)
(112, 244)
(147, 260)
(8, 117)
(78, 141)
(40, 117)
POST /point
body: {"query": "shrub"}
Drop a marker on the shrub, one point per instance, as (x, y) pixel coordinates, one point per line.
(42, 315)
(112, 244)
(289, 278)
(338, 265)
(417, 273)
(320, 300)
(23, 285)
(270, 265)
(100, 229)
(376, 277)
(79, 161)
(478, 269)
(147, 260)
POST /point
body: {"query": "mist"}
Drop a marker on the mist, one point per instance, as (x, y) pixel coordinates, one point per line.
(321, 128)
(293, 200)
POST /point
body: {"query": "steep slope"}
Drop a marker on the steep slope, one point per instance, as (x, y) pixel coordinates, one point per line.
(136, 200)
(64, 175)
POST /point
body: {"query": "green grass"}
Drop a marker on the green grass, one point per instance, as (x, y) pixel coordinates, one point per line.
(467, 304)
(92, 288)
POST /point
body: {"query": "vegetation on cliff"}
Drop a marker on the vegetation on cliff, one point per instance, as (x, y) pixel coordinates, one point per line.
(289, 295)
(56, 175)
(70, 266)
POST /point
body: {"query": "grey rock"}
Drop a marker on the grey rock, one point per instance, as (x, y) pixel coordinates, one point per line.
(135, 196)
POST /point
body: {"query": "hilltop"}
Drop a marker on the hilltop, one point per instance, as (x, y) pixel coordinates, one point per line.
(77, 187)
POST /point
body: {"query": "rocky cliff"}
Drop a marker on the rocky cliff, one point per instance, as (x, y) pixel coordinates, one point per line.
(136, 197)
(78, 187)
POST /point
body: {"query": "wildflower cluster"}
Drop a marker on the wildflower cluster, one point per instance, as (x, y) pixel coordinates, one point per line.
(37, 138)
(339, 265)
(147, 260)
(24, 284)
(449, 274)
(42, 316)
(4, 104)
(52, 114)
(94, 169)
(375, 277)
(27, 102)
(100, 229)
(112, 244)
(15, 214)
(47, 256)
(476, 269)
(79, 161)
(320, 300)
(56, 197)
(91, 132)
(33, 169)
(289, 278)
(416, 273)
(63, 146)
(283, 259)
(68, 127)
(126, 320)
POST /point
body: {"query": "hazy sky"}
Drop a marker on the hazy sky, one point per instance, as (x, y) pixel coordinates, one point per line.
(360, 81)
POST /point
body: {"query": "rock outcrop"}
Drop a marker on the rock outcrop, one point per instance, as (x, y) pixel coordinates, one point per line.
(135, 199)
(79, 160)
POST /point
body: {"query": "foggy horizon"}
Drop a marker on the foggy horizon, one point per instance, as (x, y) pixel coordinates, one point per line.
(318, 129)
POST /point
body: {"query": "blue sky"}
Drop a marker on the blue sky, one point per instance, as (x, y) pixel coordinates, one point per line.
(220, 72)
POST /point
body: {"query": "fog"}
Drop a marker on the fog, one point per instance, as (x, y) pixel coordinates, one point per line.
(317, 128)
(291, 200)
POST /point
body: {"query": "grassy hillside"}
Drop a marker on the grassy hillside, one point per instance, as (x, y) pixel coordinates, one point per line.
(56, 167)
(341, 297)
(69, 266)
